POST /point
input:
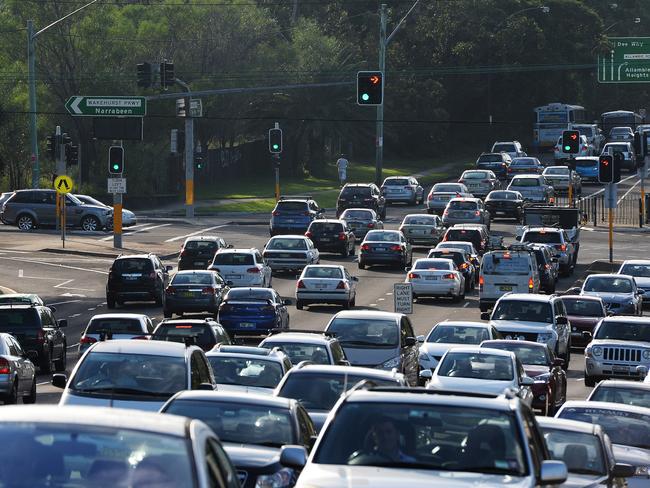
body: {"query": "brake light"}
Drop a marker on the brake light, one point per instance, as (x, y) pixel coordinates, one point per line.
(446, 212)
(413, 276)
(342, 285)
(268, 308)
(445, 238)
(395, 247)
(562, 247)
(276, 213)
(140, 338)
(509, 170)
(430, 196)
(4, 366)
(365, 247)
(461, 180)
(449, 276)
(152, 275)
(464, 266)
(371, 225)
(530, 283)
(183, 251)
(341, 236)
(300, 284)
(208, 290)
(547, 266)
(306, 214)
(87, 340)
(40, 337)
(433, 231)
(481, 282)
(477, 213)
(309, 234)
(170, 290)
(253, 270)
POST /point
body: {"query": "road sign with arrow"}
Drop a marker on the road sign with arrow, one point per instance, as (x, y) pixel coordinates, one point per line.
(92, 106)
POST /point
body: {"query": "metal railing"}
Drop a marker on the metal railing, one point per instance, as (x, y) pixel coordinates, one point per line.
(629, 210)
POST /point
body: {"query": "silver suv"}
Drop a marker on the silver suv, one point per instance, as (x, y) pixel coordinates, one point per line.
(29, 209)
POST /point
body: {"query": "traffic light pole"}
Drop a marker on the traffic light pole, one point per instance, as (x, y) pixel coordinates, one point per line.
(379, 137)
(276, 157)
(117, 215)
(189, 153)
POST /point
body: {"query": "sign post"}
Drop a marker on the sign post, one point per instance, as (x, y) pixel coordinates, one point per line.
(628, 61)
(611, 191)
(403, 297)
(63, 185)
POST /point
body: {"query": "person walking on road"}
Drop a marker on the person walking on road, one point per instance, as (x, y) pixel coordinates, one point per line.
(342, 165)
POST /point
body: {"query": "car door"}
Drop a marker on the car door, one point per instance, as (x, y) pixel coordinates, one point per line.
(409, 354)
(44, 205)
(52, 331)
(407, 245)
(281, 309)
(563, 330)
(313, 251)
(24, 366)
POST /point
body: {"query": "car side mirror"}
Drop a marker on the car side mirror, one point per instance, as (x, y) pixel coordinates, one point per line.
(426, 374)
(527, 381)
(561, 320)
(587, 336)
(62, 322)
(293, 457)
(420, 339)
(622, 470)
(553, 472)
(286, 302)
(59, 380)
(229, 246)
(206, 387)
(355, 278)
(485, 315)
(558, 362)
(410, 342)
(31, 355)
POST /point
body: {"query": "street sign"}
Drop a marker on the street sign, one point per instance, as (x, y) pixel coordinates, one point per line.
(117, 185)
(63, 184)
(91, 106)
(403, 296)
(628, 61)
(196, 107)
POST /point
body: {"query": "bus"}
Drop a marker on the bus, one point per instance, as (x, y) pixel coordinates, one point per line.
(620, 118)
(551, 120)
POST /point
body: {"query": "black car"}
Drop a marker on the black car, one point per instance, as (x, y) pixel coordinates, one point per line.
(198, 251)
(463, 262)
(204, 333)
(194, 291)
(39, 334)
(138, 277)
(332, 235)
(477, 234)
(496, 162)
(385, 247)
(358, 195)
(505, 204)
(546, 263)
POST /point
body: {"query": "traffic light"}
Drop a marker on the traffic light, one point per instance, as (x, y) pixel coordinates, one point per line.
(116, 160)
(72, 155)
(198, 162)
(65, 139)
(370, 88)
(606, 169)
(571, 141)
(275, 141)
(144, 75)
(51, 146)
(167, 74)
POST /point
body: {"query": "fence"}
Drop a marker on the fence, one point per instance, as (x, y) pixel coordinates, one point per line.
(629, 211)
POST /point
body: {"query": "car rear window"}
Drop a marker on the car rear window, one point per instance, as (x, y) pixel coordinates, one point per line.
(397, 182)
(505, 264)
(382, 236)
(525, 182)
(192, 279)
(323, 272)
(504, 148)
(201, 245)
(357, 214)
(178, 332)
(585, 163)
(18, 317)
(287, 244)
(490, 158)
(420, 220)
(233, 259)
(462, 235)
(362, 191)
(333, 227)
(115, 325)
(542, 237)
(583, 308)
(475, 175)
(249, 294)
(557, 171)
(433, 264)
(462, 205)
(502, 195)
(456, 257)
(447, 188)
(292, 206)
(133, 265)
(523, 162)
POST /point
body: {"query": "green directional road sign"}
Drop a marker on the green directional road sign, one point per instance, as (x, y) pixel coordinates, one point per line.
(628, 61)
(90, 106)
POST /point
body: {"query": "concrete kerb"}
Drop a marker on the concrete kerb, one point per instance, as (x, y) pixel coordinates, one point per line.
(113, 255)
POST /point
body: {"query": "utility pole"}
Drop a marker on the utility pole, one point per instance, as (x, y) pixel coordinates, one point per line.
(189, 152)
(379, 138)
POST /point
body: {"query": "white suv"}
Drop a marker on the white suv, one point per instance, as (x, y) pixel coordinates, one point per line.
(242, 267)
(511, 148)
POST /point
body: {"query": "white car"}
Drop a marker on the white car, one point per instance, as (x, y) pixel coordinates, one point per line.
(290, 253)
(242, 267)
(511, 148)
(326, 283)
(586, 149)
(110, 326)
(128, 217)
(436, 277)
(640, 270)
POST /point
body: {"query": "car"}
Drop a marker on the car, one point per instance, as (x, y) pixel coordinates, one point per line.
(511, 148)
(375, 339)
(637, 268)
(436, 278)
(128, 218)
(480, 182)
(332, 235)
(535, 318)
(463, 261)
(465, 211)
(192, 291)
(385, 247)
(619, 293)
(587, 452)
(621, 391)
(318, 387)
(505, 204)
(106, 447)
(39, 333)
(253, 311)
(205, 333)
(242, 267)
(547, 265)
(22, 298)
(594, 135)
(584, 313)
(326, 283)
(565, 250)
(477, 234)
(138, 375)
(198, 251)
(248, 369)
(290, 253)
(441, 193)
(566, 219)
(385, 436)
(623, 150)
(255, 431)
(402, 189)
(422, 229)
(109, 326)
(539, 363)
(587, 168)
(4, 196)
(525, 166)
(560, 177)
(29, 209)
(448, 334)
(620, 348)
(534, 188)
(628, 428)
(292, 215)
(137, 277)
(313, 346)
(496, 162)
(17, 372)
(361, 221)
(584, 149)
(620, 134)
(361, 195)
(465, 246)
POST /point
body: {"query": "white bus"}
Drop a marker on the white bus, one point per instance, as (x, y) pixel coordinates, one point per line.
(551, 120)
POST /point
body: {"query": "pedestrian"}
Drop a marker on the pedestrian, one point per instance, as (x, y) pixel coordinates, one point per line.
(342, 165)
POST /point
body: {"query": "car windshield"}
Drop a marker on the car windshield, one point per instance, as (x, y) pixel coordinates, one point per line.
(475, 175)
(70, 456)
(233, 259)
(444, 264)
(523, 311)
(542, 237)
(626, 428)
(639, 397)
(402, 435)
(397, 182)
(457, 334)
(323, 272)
(524, 182)
(581, 452)
(462, 205)
(608, 284)
(532, 355)
(301, 351)
(288, 244)
(358, 191)
(505, 264)
(446, 188)
(357, 214)
(249, 294)
(365, 333)
(240, 423)
(117, 325)
(320, 391)
(231, 370)
(136, 374)
(419, 220)
(556, 171)
(473, 365)
(621, 331)
(192, 279)
(636, 270)
(201, 245)
(583, 308)
(292, 207)
(504, 148)
(382, 236)
(502, 195)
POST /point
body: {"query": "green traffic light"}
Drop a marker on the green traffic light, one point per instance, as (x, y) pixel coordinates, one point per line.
(276, 146)
(365, 97)
(567, 148)
(116, 166)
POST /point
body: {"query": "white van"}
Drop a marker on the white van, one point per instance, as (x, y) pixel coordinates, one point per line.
(512, 270)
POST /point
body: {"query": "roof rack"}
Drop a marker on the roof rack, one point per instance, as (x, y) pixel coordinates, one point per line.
(296, 197)
(302, 331)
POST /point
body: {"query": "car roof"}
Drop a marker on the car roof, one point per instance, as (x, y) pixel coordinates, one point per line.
(447, 250)
(276, 358)
(543, 229)
(153, 348)
(345, 370)
(609, 275)
(206, 321)
(418, 215)
(637, 385)
(527, 177)
(368, 314)
(358, 185)
(469, 226)
(562, 166)
(288, 236)
(513, 342)
(327, 221)
(465, 199)
(135, 256)
(225, 250)
(194, 271)
(528, 297)
(626, 319)
(434, 259)
(587, 158)
(464, 323)
(430, 397)
(589, 298)
(617, 407)
(119, 316)
(482, 350)
(337, 266)
(235, 397)
(315, 338)
(636, 261)
(202, 238)
(568, 425)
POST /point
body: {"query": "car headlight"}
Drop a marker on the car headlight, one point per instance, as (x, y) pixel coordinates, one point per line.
(545, 337)
(642, 471)
(279, 479)
(391, 363)
(597, 351)
(542, 378)
(646, 354)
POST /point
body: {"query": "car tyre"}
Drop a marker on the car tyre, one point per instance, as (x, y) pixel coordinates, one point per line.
(167, 314)
(12, 396)
(345, 305)
(299, 304)
(25, 222)
(110, 302)
(160, 298)
(45, 365)
(31, 398)
(362, 265)
(61, 363)
(346, 252)
(429, 211)
(90, 223)
(590, 380)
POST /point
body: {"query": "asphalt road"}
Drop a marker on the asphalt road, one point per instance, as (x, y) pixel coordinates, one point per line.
(75, 284)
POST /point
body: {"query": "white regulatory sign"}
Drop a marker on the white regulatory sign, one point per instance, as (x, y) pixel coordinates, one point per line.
(403, 295)
(117, 185)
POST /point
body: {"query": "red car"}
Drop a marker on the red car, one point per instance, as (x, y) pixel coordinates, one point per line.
(583, 312)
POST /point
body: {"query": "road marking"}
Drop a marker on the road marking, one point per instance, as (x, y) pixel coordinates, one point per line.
(466, 305)
(61, 285)
(43, 383)
(23, 260)
(74, 315)
(11, 250)
(73, 346)
(144, 229)
(389, 293)
(372, 305)
(627, 192)
(91, 309)
(178, 238)
(61, 303)
(380, 299)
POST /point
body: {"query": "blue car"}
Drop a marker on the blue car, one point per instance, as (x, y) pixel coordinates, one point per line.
(292, 215)
(253, 311)
(587, 168)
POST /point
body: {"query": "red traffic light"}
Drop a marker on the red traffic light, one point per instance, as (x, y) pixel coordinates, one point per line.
(375, 79)
(574, 136)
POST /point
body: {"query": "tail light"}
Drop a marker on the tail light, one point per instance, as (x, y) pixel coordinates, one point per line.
(445, 238)
(276, 213)
(4, 366)
(183, 251)
(547, 266)
(40, 337)
(530, 284)
(342, 285)
(461, 180)
(413, 276)
(300, 284)
(268, 308)
(341, 236)
(208, 290)
(561, 247)
(430, 196)
(87, 340)
(477, 213)
(481, 280)
(365, 247)
(509, 170)
(140, 338)
(371, 225)
(395, 247)
(446, 212)
(170, 290)
(487, 181)
(464, 266)
(225, 307)
(433, 231)
(449, 276)
(309, 234)
(306, 214)
(253, 270)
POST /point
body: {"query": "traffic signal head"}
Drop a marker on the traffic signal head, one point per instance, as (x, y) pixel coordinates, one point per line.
(571, 141)
(167, 77)
(370, 88)
(72, 155)
(275, 141)
(116, 160)
(144, 75)
(198, 162)
(606, 169)
(51, 146)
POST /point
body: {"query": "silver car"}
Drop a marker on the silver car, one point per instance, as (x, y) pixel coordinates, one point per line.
(533, 188)
(361, 220)
(128, 217)
(422, 229)
(441, 193)
(17, 372)
(465, 211)
(619, 292)
(559, 177)
(480, 182)
(640, 270)
(402, 189)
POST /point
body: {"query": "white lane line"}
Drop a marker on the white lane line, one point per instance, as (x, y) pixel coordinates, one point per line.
(389, 293)
(74, 315)
(62, 285)
(372, 305)
(73, 346)
(144, 229)
(178, 238)
(380, 299)
(91, 309)
(20, 273)
(62, 303)
(466, 305)
(602, 190)
(43, 383)
(23, 260)
(17, 252)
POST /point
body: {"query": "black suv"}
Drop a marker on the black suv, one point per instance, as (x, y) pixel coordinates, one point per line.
(476, 234)
(206, 333)
(496, 162)
(138, 277)
(38, 332)
(332, 235)
(361, 195)
(198, 252)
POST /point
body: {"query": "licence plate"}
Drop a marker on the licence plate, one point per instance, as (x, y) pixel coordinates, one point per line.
(199, 263)
(247, 325)
(617, 368)
(431, 278)
(326, 239)
(505, 288)
(320, 286)
(187, 294)
(380, 248)
(290, 221)
(233, 277)
(500, 212)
